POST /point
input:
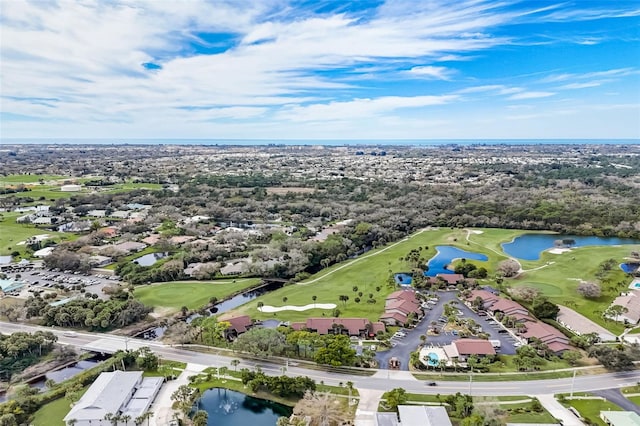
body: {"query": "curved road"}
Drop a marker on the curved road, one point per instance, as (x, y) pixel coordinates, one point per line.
(381, 380)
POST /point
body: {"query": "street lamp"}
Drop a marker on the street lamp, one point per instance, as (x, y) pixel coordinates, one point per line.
(573, 380)
(470, 381)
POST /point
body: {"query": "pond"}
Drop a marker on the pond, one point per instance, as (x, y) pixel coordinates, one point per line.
(230, 408)
(531, 246)
(438, 264)
(227, 305)
(150, 259)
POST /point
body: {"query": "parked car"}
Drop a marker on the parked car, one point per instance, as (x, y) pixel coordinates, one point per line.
(432, 384)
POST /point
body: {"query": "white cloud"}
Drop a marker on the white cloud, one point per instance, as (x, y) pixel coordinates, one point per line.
(359, 108)
(427, 71)
(530, 95)
(77, 66)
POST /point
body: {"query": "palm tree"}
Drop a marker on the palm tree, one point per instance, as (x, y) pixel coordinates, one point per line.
(125, 418)
(71, 422)
(234, 363)
(319, 406)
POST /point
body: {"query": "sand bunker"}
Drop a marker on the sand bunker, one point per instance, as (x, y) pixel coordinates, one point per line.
(473, 231)
(559, 250)
(268, 308)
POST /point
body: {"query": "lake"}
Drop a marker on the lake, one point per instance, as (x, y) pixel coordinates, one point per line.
(445, 255)
(149, 259)
(531, 246)
(230, 408)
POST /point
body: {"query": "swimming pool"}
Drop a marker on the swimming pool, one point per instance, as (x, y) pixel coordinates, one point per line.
(629, 268)
(403, 278)
(433, 358)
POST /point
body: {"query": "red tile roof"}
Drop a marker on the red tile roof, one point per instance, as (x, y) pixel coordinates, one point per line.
(239, 324)
(353, 325)
(474, 347)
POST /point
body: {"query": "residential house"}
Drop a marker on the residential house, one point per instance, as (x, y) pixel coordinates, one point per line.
(530, 327)
(550, 336)
(237, 326)
(631, 302)
(399, 306)
(129, 246)
(119, 393)
(350, 326)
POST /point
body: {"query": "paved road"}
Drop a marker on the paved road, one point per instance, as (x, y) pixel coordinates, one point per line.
(403, 348)
(382, 380)
(615, 396)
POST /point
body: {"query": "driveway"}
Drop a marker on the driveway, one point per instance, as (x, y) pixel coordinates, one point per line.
(403, 348)
(615, 396)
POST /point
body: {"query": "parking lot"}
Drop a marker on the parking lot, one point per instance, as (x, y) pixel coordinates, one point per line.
(407, 341)
(44, 279)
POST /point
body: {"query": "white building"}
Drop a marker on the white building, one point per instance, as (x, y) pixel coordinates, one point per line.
(119, 394)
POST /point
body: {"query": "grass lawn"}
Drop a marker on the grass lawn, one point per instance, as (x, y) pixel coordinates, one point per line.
(25, 179)
(558, 280)
(488, 377)
(590, 408)
(366, 272)
(634, 399)
(12, 233)
(51, 414)
(517, 413)
(193, 295)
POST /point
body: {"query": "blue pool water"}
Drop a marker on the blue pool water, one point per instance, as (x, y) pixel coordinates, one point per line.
(433, 358)
(530, 246)
(629, 267)
(438, 263)
(403, 278)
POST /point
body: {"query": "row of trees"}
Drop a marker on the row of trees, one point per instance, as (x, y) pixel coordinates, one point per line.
(283, 386)
(19, 350)
(95, 314)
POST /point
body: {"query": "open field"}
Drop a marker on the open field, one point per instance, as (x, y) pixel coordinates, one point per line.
(590, 408)
(28, 179)
(557, 278)
(52, 192)
(12, 233)
(192, 294)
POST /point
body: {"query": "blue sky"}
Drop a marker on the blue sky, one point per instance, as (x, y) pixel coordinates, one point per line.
(275, 69)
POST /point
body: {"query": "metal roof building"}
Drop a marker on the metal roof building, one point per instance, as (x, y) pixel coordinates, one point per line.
(119, 393)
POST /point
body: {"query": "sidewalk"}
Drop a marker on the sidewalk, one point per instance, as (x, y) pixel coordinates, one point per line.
(161, 407)
(367, 407)
(558, 411)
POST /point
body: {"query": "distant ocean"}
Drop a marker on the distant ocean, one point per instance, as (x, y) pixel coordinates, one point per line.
(312, 142)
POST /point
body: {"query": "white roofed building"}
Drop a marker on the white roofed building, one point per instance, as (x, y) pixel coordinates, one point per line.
(119, 393)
